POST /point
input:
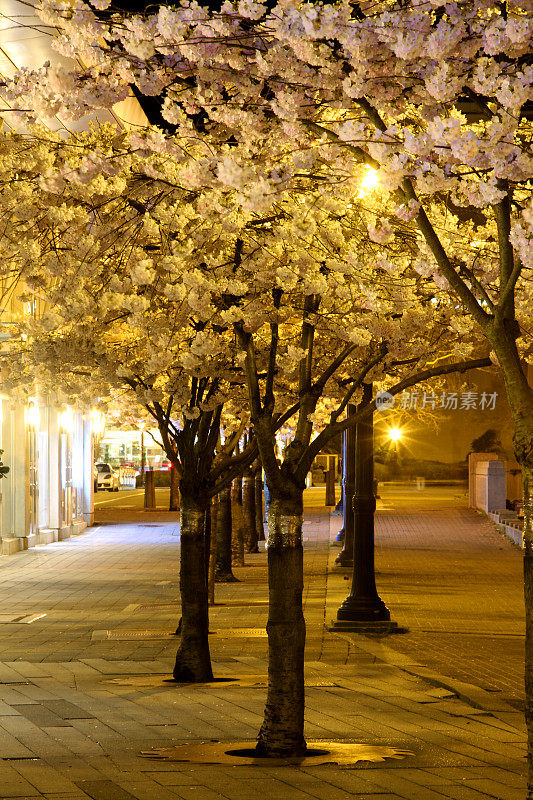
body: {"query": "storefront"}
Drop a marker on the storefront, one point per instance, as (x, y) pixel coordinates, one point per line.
(47, 494)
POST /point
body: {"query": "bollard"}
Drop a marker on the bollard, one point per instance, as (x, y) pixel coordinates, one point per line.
(149, 490)
(330, 487)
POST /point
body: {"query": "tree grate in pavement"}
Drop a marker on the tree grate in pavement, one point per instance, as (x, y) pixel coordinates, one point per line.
(241, 681)
(125, 635)
(224, 604)
(243, 753)
(253, 633)
(244, 633)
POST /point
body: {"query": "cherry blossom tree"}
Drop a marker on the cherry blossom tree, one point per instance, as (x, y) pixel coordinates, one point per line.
(109, 321)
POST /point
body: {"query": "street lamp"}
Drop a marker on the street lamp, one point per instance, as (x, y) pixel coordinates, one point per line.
(142, 426)
(364, 610)
(369, 182)
(97, 424)
(67, 420)
(395, 434)
(32, 415)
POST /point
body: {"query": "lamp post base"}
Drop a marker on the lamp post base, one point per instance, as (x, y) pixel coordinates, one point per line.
(339, 538)
(347, 625)
(365, 608)
(344, 559)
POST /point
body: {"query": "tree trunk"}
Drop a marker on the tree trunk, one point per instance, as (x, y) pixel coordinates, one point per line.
(248, 510)
(223, 572)
(259, 506)
(282, 731)
(237, 524)
(527, 478)
(211, 558)
(523, 447)
(174, 503)
(520, 396)
(193, 661)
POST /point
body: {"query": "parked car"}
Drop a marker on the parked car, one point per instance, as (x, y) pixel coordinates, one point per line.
(95, 478)
(107, 477)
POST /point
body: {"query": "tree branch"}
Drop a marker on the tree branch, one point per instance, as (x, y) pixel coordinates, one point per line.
(319, 385)
(268, 401)
(333, 429)
(508, 273)
(250, 368)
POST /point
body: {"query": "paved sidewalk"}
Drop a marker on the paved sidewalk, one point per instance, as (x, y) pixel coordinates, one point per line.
(69, 728)
(457, 584)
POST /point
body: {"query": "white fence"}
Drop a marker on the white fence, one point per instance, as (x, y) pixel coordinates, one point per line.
(127, 476)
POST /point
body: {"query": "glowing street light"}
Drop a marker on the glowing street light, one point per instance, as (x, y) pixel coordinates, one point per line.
(395, 434)
(32, 415)
(369, 182)
(66, 420)
(97, 423)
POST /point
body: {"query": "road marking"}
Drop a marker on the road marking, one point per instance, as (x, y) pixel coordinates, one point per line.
(114, 499)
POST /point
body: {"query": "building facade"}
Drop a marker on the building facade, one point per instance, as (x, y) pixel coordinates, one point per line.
(48, 493)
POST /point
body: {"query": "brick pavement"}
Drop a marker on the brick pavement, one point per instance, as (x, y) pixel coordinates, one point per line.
(456, 583)
(69, 728)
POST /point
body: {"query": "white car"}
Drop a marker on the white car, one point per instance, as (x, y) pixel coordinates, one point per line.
(107, 477)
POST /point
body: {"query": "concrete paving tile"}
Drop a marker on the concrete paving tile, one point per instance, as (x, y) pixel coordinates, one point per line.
(97, 731)
(391, 781)
(12, 696)
(149, 790)
(11, 743)
(172, 778)
(9, 674)
(504, 776)
(45, 778)
(464, 793)
(319, 787)
(33, 693)
(66, 710)
(425, 777)
(17, 787)
(67, 796)
(75, 741)
(111, 667)
(128, 729)
(32, 740)
(80, 670)
(40, 715)
(203, 793)
(29, 669)
(77, 769)
(104, 790)
(6, 710)
(498, 790)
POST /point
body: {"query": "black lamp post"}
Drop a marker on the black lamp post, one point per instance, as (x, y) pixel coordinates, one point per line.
(363, 609)
(143, 464)
(345, 557)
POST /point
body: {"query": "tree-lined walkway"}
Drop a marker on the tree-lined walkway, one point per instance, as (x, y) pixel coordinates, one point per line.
(70, 730)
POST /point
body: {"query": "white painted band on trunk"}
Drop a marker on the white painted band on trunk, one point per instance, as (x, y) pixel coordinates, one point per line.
(191, 520)
(284, 530)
